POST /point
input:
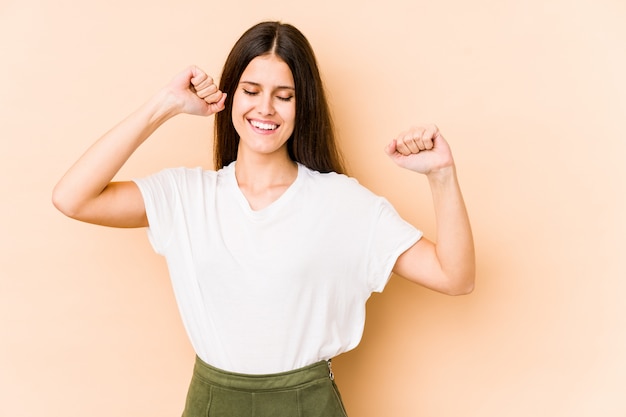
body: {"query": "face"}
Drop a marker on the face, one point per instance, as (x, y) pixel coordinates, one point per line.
(264, 107)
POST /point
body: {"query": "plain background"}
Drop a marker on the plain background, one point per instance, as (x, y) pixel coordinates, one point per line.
(530, 94)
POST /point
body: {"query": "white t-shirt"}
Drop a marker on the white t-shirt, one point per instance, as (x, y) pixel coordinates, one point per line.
(280, 288)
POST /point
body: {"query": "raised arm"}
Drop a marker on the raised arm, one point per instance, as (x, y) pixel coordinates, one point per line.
(448, 264)
(86, 192)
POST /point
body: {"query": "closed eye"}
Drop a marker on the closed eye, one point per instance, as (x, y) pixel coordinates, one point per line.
(281, 98)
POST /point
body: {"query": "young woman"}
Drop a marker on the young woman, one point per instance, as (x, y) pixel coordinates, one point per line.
(274, 254)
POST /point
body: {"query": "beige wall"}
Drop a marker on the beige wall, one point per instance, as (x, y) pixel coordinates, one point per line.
(532, 97)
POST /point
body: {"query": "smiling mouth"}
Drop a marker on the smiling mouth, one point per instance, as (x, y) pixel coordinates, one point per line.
(263, 126)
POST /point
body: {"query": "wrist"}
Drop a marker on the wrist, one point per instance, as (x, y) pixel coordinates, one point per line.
(442, 175)
(162, 107)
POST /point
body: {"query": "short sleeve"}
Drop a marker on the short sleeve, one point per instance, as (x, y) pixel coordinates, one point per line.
(162, 199)
(391, 236)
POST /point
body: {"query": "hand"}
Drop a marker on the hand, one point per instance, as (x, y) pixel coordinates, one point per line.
(194, 92)
(421, 149)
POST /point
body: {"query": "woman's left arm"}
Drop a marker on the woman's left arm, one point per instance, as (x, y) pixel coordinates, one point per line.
(448, 264)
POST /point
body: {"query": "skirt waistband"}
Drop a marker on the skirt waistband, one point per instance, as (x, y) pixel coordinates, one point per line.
(283, 380)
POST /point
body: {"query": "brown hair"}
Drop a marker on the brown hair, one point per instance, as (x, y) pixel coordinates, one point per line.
(312, 142)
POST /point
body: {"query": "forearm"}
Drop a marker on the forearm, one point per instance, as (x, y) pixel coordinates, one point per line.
(95, 169)
(454, 241)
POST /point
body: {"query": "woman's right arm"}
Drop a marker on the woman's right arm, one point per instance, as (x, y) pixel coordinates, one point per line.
(86, 192)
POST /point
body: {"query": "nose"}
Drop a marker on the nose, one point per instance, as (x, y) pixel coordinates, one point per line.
(265, 106)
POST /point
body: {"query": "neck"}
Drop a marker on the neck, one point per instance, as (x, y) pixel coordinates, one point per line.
(258, 172)
(263, 180)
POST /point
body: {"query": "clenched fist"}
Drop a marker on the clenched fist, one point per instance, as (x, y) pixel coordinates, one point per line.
(421, 149)
(195, 92)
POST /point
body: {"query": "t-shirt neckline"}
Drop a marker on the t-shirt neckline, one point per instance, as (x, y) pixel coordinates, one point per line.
(274, 205)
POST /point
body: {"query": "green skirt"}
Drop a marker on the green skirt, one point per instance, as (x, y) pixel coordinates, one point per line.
(305, 392)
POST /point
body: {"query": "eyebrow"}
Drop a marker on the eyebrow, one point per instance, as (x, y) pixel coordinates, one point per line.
(278, 87)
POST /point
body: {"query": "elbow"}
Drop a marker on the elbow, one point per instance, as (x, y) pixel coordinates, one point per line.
(461, 280)
(465, 289)
(462, 285)
(62, 202)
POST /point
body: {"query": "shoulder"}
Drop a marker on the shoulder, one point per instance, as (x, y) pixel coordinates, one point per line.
(328, 179)
(179, 178)
(185, 174)
(340, 186)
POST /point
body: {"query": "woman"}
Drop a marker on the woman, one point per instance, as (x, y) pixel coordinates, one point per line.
(273, 255)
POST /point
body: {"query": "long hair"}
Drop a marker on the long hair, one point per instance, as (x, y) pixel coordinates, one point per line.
(312, 142)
